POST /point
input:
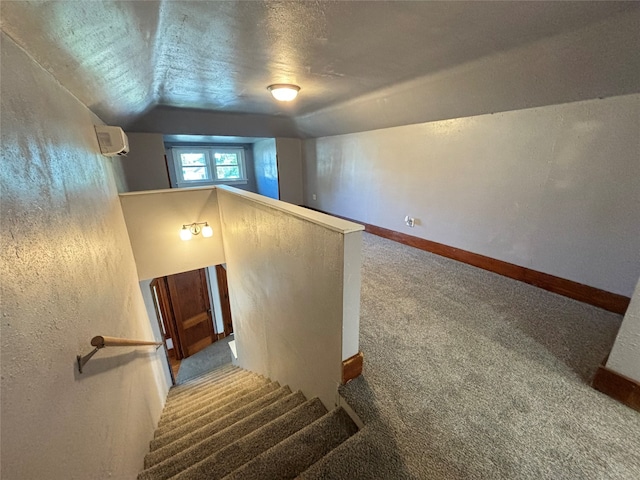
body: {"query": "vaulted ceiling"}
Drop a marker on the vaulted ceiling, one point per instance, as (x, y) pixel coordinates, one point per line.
(128, 59)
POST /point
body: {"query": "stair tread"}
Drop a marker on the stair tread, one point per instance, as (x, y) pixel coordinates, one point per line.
(203, 385)
(199, 450)
(299, 451)
(205, 407)
(221, 368)
(194, 381)
(176, 433)
(211, 390)
(364, 456)
(214, 426)
(243, 450)
(206, 386)
(233, 424)
(210, 401)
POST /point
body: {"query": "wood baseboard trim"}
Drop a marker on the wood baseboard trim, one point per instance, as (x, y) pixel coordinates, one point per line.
(568, 288)
(618, 387)
(352, 367)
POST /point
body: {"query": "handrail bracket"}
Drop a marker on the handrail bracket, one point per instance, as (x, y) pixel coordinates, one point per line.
(82, 361)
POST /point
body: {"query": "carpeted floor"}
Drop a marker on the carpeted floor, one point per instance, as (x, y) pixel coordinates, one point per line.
(215, 355)
(470, 375)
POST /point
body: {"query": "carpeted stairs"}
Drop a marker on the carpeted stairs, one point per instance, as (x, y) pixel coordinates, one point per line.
(234, 424)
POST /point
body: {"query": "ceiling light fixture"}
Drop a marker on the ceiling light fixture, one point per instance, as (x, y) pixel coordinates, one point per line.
(190, 229)
(284, 92)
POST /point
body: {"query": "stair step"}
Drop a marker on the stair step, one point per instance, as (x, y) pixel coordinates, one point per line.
(243, 450)
(298, 452)
(212, 388)
(201, 383)
(175, 462)
(232, 424)
(196, 382)
(206, 431)
(171, 435)
(218, 372)
(205, 407)
(209, 401)
(355, 458)
(206, 385)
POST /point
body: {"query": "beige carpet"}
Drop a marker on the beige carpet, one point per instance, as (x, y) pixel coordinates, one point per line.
(233, 424)
(207, 359)
(469, 375)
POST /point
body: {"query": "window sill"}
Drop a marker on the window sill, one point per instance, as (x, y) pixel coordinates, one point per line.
(231, 183)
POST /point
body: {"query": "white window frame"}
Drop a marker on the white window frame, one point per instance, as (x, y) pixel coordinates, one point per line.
(208, 151)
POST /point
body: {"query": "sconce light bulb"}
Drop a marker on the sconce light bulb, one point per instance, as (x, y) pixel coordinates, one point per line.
(185, 233)
(207, 231)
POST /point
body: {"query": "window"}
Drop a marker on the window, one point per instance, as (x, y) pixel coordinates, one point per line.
(208, 165)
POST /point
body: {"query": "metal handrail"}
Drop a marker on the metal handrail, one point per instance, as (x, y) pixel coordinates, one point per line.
(101, 342)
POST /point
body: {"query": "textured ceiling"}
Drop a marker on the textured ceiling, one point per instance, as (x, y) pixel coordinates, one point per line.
(123, 58)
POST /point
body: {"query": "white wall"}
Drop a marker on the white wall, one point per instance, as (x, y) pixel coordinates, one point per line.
(554, 189)
(289, 154)
(266, 168)
(67, 274)
(290, 292)
(145, 167)
(625, 355)
(250, 186)
(154, 220)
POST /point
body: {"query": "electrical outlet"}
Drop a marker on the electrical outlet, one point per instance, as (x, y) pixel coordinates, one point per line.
(410, 221)
(314, 196)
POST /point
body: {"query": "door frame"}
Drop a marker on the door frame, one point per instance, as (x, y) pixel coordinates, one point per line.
(156, 297)
(223, 291)
(166, 309)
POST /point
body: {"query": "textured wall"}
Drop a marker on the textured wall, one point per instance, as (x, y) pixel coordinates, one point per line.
(290, 169)
(172, 121)
(286, 273)
(266, 168)
(144, 167)
(67, 274)
(555, 189)
(154, 220)
(625, 355)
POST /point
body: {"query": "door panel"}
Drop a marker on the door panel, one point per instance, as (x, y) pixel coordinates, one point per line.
(191, 310)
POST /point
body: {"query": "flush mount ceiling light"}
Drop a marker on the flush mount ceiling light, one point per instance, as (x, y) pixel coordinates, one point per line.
(284, 92)
(190, 229)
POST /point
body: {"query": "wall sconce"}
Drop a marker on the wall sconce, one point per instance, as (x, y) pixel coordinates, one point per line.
(190, 229)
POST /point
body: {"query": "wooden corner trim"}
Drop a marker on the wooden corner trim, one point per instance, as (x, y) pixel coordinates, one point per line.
(617, 386)
(568, 288)
(352, 367)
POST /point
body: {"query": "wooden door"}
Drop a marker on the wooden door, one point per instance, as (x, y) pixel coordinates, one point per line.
(191, 310)
(223, 288)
